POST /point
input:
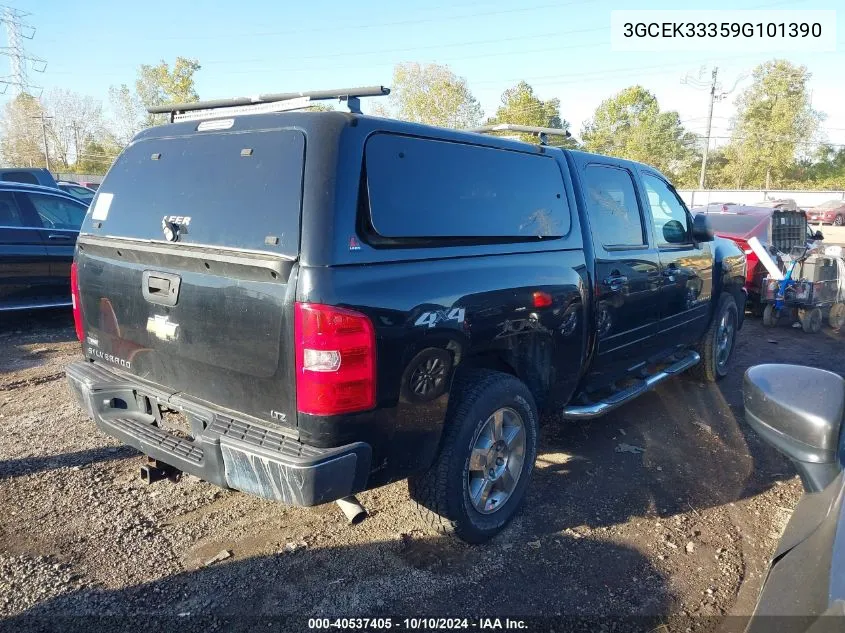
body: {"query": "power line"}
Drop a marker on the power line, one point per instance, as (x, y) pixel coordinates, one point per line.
(555, 79)
(383, 51)
(411, 21)
(578, 78)
(347, 26)
(770, 137)
(372, 24)
(358, 66)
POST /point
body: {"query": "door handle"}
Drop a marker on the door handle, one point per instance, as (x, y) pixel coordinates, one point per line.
(161, 288)
(158, 285)
(58, 237)
(615, 282)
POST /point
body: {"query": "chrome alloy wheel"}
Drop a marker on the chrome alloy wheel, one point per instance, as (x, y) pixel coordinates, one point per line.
(725, 338)
(496, 461)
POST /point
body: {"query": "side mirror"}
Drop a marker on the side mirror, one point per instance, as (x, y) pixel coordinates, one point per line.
(798, 410)
(701, 231)
(674, 232)
(819, 236)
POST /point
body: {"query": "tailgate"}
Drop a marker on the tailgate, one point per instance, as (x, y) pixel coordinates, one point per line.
(208, 315)
(789, 229)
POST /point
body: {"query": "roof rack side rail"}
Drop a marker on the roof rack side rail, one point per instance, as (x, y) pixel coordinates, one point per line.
(542, 132)
(350, 95)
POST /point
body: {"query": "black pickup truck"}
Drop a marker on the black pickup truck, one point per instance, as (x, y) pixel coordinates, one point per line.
(304, 305)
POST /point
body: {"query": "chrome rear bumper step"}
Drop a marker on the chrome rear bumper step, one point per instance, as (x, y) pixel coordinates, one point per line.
(597, 409)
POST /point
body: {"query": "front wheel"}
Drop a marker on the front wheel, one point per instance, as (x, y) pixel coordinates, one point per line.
(478, 481)
(771, 316)
(839, 221)
(717, 344)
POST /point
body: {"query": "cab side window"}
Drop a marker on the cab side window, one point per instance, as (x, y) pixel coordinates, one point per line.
(58, 213)
(615, 215)
(671, 221)
(20, 176)
(10, 213)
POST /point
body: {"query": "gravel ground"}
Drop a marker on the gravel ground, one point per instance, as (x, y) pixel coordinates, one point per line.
(662, 515)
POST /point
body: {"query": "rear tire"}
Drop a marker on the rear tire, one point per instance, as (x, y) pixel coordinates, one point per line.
(836, 316)
(811, 320)
(839, 221)
(472, 470)
(770, 316)
(716, 346)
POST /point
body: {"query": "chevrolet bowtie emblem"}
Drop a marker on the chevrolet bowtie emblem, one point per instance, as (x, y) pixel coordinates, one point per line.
(162, 328)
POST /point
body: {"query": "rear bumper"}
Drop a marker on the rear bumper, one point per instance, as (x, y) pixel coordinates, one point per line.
(227, 452)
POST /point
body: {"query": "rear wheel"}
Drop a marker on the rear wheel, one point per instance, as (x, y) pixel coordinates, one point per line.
(716, 346)
(836, 317)
(811, 320)
(478, 481)
(839, 221)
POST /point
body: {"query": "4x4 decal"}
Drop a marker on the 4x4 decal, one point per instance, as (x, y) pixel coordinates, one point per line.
(434, 317)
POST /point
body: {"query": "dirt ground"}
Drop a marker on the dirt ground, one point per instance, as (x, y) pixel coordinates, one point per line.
(661, 516)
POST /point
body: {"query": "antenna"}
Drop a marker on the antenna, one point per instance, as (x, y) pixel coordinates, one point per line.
(16, 31)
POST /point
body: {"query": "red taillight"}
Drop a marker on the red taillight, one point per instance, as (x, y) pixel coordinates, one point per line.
(335, 360)
(77, 303)
(751, 260)
(542, 299)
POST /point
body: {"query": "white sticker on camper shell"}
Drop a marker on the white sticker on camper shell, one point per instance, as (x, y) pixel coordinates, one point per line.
(102, 206)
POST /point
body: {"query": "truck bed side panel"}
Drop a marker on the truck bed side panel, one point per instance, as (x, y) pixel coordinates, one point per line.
(470, 308)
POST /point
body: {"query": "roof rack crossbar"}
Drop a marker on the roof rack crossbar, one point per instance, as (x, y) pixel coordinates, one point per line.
(299, 103)
(542, 132)
(350, 95)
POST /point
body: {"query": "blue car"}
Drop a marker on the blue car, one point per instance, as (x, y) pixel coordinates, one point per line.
(77, 191)
(38, 231)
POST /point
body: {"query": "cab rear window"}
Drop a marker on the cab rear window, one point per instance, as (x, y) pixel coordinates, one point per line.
(423, 188)
(737, 224)
(238, 190)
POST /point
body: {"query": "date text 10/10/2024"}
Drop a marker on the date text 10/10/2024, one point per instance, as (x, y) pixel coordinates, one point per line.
(418, 624)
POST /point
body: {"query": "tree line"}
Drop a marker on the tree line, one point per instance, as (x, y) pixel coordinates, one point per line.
(775, 141)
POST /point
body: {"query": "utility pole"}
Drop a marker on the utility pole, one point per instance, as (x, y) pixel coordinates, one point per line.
(709, 127)
(716, 94)
(75, 127)
(44, 133)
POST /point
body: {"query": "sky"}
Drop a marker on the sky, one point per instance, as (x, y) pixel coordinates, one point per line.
(561, 48)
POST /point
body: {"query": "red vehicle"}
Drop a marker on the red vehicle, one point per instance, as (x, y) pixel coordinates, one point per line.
(778, 230)
(830, 212)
